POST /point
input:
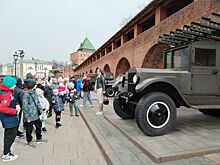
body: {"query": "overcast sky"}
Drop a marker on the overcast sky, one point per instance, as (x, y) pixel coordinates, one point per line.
(52, 29)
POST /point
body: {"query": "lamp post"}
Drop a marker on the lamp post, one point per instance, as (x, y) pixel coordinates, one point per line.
(15, 60)
(16, 55)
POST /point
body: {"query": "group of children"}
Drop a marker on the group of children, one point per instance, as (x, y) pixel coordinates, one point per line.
(34, 107)
(58, 100)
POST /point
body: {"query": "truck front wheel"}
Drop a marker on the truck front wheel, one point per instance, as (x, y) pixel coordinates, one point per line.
(155, 114)
(122, 109)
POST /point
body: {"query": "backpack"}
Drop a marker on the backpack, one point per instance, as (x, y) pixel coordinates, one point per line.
(91, 88)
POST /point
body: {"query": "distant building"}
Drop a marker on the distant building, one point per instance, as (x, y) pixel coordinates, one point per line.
(58, 69)
(76, 58)
(36, 67)
(7, 69)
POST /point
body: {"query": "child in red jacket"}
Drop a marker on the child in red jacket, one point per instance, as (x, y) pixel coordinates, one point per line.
(8, 116)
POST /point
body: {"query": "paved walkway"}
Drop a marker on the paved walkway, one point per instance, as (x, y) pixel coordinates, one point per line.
(71, 144)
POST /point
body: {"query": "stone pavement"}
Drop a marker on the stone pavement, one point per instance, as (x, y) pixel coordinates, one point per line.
(71, 144)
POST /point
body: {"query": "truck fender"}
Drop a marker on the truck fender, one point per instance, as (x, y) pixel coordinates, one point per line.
(144, 84)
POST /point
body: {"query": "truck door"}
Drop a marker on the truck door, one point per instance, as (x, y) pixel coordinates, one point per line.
(205, 71)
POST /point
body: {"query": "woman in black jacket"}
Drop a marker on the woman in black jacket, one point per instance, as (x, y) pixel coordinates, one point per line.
(87, 87)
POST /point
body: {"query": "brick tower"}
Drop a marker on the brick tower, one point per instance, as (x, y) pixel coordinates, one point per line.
(85, 50)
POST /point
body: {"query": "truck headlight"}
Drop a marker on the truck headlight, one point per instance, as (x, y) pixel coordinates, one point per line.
(136, 79)
(122, 77)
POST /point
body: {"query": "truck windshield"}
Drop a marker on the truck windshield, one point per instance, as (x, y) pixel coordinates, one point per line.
(177, 59)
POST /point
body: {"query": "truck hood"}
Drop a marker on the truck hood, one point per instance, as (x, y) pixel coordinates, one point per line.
(145, 73)
(148, 76)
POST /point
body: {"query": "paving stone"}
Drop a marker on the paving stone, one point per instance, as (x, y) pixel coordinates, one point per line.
(68, 145)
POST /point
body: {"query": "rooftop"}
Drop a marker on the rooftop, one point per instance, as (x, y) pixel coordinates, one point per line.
(86, 45)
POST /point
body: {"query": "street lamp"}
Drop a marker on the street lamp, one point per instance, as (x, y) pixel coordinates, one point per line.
(15, 60)
(19, 53)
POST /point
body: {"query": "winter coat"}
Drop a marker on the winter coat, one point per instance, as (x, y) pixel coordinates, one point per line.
(31, 107)
(18, 94)
(54, 86)
(72, 96)
(40, 86)
(44, 103)
(48, 93)
(87, 86)
(102, 80)
(62, 90)
(79, 86)
(57, 104)
(8, 116)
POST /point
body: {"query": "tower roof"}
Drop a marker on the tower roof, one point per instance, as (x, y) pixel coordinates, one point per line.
(86, 44)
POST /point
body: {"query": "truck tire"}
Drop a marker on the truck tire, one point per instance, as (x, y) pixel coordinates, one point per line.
(123, 110)
(155, 114)
(210, 112)
(110, 92)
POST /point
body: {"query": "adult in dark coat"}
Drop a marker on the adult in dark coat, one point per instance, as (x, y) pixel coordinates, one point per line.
(18, 94)
(48, 94)
(86, 89)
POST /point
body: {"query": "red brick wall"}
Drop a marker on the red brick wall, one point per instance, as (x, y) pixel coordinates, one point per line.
(68, 71)
(136, 50)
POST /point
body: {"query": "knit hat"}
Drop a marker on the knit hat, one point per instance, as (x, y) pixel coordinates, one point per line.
(30, 83)
(39, 91)
(71, 85)
(29, 76)
(60, 79)
(9, 81)
(55, 91)
(61, 84)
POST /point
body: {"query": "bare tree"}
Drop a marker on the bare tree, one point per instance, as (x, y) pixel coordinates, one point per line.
(128, 18)
(141, 6)
(125, 20)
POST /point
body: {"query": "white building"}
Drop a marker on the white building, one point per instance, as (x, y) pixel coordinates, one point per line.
(8, 69)
(36, 67)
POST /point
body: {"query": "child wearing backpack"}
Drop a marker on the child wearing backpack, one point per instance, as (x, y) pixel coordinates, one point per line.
(31, 109)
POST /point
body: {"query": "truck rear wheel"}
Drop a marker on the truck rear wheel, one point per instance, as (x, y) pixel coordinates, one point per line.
(122, 109)
(155, 114)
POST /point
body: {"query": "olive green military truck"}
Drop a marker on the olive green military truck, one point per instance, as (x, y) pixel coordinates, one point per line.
(190, 78)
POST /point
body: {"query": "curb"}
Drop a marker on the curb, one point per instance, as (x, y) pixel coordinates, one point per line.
(109, 155)
(163, 158)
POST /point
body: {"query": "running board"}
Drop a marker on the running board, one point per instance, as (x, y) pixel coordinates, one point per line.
(206, 107)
